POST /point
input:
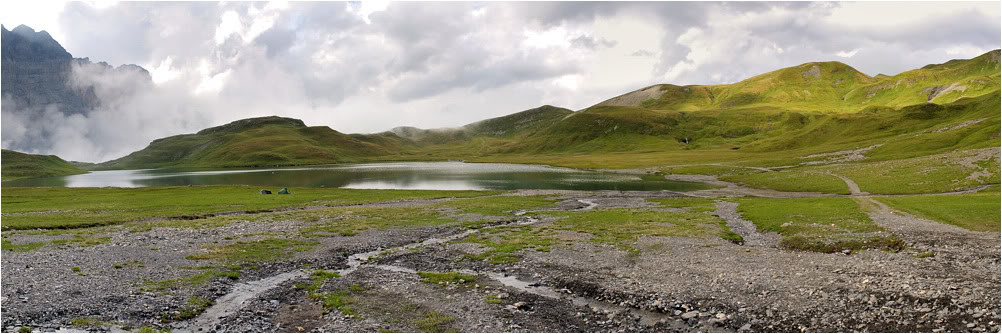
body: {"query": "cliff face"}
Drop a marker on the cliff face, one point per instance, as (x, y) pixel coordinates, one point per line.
(37, 72)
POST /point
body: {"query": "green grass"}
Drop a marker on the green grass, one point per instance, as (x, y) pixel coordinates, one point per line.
(350, 221)
(446, 278)
(84, 207)
(340, 300)
(708, 169)
(615, 227)
(929, 174)
(792, 180)
(502, 242)
(233, 275)
(195, 306)
(80, 240)
(622, 227)
(85, 322)
(435, 322)
(133, 263)
(498, 205)
(262, 141)
(195, 280)
(8, 245)
(17, 165)
(817, 224)
(267, 250)
(976, 212)
(317, 280)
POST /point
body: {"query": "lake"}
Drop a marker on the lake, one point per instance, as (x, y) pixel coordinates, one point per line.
(403, 175)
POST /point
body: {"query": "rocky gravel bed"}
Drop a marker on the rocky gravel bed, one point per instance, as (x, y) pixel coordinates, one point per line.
(47, 288)
(672, 284)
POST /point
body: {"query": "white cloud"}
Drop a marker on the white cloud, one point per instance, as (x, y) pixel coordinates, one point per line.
(847, 54)
(164, 72)
(365, 8)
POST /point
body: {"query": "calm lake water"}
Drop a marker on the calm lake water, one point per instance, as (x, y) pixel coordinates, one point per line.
(406, 175)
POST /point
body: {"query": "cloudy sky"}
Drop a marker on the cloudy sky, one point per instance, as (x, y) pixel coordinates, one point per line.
(367, 67)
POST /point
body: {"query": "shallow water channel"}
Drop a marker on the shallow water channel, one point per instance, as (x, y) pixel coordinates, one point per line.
(234, 300)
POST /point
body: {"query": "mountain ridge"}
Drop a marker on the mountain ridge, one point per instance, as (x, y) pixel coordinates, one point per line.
(775, 111)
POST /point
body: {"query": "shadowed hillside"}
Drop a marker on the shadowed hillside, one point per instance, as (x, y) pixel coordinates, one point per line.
(17, 165)
(263, 141)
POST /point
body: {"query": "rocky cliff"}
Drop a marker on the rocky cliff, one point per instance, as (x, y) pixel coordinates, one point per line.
(38, 73)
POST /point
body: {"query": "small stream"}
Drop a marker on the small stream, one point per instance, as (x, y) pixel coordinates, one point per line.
(233, 301)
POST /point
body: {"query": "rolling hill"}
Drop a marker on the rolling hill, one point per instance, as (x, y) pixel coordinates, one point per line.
(517, 124)
(785, 114)
(17, 165)
(263, 141)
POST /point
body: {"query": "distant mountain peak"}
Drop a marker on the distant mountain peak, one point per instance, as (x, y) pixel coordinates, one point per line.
(25, 44)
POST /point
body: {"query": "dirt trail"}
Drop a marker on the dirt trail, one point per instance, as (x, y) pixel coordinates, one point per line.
(853, 187)
(903, 223)
(752, 237)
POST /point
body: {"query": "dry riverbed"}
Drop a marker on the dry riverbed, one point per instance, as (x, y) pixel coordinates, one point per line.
(546, 268)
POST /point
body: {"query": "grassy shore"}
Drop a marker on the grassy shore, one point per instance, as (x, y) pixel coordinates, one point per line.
(975, 212)
(55, 208)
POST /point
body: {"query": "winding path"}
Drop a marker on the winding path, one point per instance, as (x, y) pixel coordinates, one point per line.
(752, 237)
(853, 187)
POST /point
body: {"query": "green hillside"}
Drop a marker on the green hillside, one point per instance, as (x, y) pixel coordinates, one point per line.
(508, 126)
(810, 108)
(827, 87)
(773, 119)
(263, 141)
(17, 165)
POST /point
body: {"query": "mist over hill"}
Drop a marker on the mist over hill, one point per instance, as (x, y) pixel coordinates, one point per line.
(76, 108)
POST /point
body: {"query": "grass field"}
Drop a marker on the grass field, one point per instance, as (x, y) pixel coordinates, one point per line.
(975, 212)
(48, 208)
(17, 165)
(817, 224)
(792, 180)
(931, 174)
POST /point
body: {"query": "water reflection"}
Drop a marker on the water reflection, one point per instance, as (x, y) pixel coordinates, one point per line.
(408, 175)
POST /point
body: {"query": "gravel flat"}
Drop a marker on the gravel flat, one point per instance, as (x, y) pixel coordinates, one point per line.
(672, 284)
